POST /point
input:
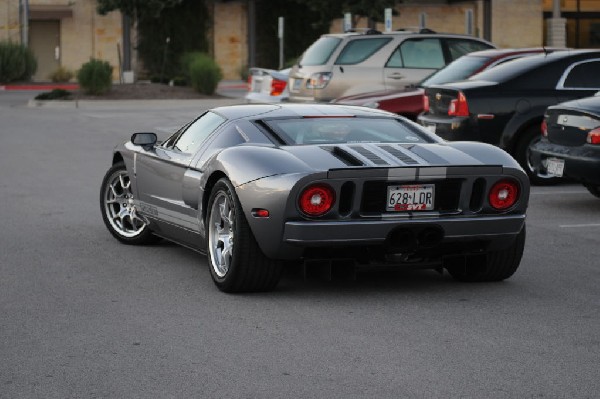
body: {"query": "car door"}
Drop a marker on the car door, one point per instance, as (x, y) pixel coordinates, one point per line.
(412, 61)
(162, 171)
(356, 68)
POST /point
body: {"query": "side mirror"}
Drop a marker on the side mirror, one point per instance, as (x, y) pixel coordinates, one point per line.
(146, 140)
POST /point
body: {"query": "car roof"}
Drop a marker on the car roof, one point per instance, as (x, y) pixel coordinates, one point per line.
(298, 111)
(422, 33)
(504, 52)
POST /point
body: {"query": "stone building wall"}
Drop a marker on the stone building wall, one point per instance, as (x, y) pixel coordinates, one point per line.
(83, 35)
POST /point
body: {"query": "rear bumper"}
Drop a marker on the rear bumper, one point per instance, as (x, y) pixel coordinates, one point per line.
(581, 163)
(497, 231)
(450, 128)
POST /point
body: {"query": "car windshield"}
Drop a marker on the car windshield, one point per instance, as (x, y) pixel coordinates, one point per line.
(299, 131)
(320, 51)
(457, 70)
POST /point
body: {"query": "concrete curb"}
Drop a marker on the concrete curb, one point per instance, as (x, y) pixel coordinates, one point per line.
(141, 104)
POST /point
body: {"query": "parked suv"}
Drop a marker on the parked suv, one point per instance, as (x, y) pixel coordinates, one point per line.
(344, 64)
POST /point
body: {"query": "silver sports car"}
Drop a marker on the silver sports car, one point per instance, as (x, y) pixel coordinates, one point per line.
(257, 186)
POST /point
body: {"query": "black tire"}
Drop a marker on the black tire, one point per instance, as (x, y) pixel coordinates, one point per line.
(118, 210)
(594, 190)
(523, 156)
(235, 260)
(495, 266)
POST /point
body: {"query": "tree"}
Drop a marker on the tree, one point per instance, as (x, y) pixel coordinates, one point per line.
(167, 30)
(136, 8)
(332, 9)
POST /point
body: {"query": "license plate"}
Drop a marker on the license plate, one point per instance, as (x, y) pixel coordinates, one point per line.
(555, 166)
(297, 83)
(431, 128)
(410, 197)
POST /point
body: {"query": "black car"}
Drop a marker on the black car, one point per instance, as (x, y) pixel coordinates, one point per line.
(505, 105)
(570, 144)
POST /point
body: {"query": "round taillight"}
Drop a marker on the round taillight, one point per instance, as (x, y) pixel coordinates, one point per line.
(317, 199)
(504, 194)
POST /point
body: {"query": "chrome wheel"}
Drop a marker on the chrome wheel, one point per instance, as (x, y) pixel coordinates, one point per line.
(221, 234)
(119, 206)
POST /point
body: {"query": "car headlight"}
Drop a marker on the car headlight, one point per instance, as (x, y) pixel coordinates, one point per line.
(318, 80)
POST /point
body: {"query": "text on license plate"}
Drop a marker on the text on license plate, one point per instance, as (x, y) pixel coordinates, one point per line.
(555, 166)
(410, 197)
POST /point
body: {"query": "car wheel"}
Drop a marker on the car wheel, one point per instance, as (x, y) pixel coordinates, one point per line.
(523, 156)
(119, 211)
(595, 190)
(236, 262)
(498, 265)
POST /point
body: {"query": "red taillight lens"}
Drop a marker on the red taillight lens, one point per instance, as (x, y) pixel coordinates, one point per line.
(544, 128)
(249, 82)
(277, 87)
(504, 194)
(425, 103)
(317, 199)
(593, 137)
(459, 106)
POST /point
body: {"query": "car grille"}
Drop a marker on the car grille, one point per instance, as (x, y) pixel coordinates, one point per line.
(447, 195)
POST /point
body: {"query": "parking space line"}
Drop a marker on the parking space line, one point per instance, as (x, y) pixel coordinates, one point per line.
(567, 226)
(558, 192)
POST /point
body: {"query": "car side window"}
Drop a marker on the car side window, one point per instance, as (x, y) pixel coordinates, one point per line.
(193, 137)
(417, 53)
(584, 76)
(357, 51)
(460, 47)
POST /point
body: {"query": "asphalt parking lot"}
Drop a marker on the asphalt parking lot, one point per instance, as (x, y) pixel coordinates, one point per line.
(84, 316)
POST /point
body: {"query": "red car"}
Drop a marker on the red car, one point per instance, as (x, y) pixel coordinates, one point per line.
(409, 102)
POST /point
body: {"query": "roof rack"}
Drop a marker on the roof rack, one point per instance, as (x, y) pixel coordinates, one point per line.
(416, 30)
(364, 31)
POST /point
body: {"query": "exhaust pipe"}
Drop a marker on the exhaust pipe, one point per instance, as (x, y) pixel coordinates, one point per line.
(430, 237)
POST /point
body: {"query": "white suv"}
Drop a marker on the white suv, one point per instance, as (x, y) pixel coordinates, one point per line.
(344, 64)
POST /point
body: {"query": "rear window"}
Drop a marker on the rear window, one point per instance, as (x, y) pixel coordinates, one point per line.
(359, 50)
(320, 51)
(460, 47)
(457, 70)
(507, 71)
(301, 131)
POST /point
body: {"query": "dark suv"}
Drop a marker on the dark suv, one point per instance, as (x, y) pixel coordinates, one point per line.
(339, 65)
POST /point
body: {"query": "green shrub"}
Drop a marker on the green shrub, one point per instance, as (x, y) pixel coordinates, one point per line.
(16, 62)
(204, 73)
(95, 76)
(56, 94)
(62, 74)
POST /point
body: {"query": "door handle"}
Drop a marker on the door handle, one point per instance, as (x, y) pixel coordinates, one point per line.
(395, 75)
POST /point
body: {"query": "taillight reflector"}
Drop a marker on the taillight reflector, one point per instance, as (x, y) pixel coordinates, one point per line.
(425, 103)
(277, 87)
(544, 128)
(593, 137)
(504, 194)
(316, 200)
(459, 106)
